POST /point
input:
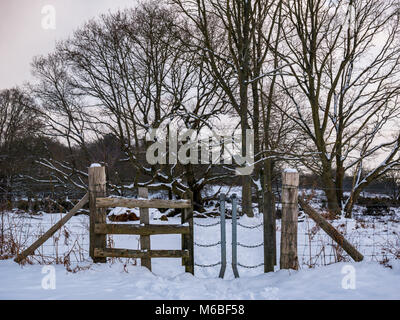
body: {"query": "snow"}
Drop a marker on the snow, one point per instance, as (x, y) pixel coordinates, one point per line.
(112, 282)
(95, 165)
(121, 210)
(320, 275)
(290, 170)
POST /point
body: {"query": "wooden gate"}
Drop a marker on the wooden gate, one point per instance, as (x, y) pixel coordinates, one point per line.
(99, 228)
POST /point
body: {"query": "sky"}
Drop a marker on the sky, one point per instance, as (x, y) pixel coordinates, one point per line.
(26, 30)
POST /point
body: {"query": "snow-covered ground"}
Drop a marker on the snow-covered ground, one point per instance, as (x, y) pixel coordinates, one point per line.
(111, 282)
(323, 266)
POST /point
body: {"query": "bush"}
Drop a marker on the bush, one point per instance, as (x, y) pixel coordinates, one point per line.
(377, 210)
(23, 205)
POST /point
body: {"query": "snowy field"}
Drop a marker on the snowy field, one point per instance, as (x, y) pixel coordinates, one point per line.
(112, 282)
(323, 265)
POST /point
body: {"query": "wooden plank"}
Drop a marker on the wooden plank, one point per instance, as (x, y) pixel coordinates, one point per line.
(290, 212)
(128, 253)
(144, 220)
(97, 188)
(52, 230)
(331, 231)
(152, 229)
(142, 203)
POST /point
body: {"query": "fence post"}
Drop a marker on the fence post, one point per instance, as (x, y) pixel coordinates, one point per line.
(187, 239)
(269, 231)
(290, 184)
(234, 236)
(97, 188)
(144, 219)
(222, 198)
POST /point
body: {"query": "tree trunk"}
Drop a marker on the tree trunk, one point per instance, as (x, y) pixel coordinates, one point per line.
(193, 187)
(330, 193)
(339, 179)
(247, 207)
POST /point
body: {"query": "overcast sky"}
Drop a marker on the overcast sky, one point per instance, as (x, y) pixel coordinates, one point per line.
(22, 35)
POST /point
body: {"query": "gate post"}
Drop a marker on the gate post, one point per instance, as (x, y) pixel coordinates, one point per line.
(144, 219)
(269, 224)
(234, 236)
(223, 235)
(187, 239)
(290, 184)
(97, 188)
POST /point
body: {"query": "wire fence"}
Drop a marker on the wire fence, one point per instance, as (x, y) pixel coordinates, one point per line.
(71, 243)
(377, 238)
(207, 245)
(376, 241)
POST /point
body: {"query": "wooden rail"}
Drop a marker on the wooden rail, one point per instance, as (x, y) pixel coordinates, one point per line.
(127, 253)
(142, 203)
(146, 230)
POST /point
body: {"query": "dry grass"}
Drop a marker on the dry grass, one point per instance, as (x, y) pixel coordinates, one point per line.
(124, 261)
(17, 232)
(12, 237)
(329, 215)
(392, 247)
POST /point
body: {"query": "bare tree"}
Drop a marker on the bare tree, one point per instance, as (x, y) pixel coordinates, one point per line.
(234, 38)
(392, 182)
(65, 118)
(121, 75)
(343, 81)
(20, 123)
